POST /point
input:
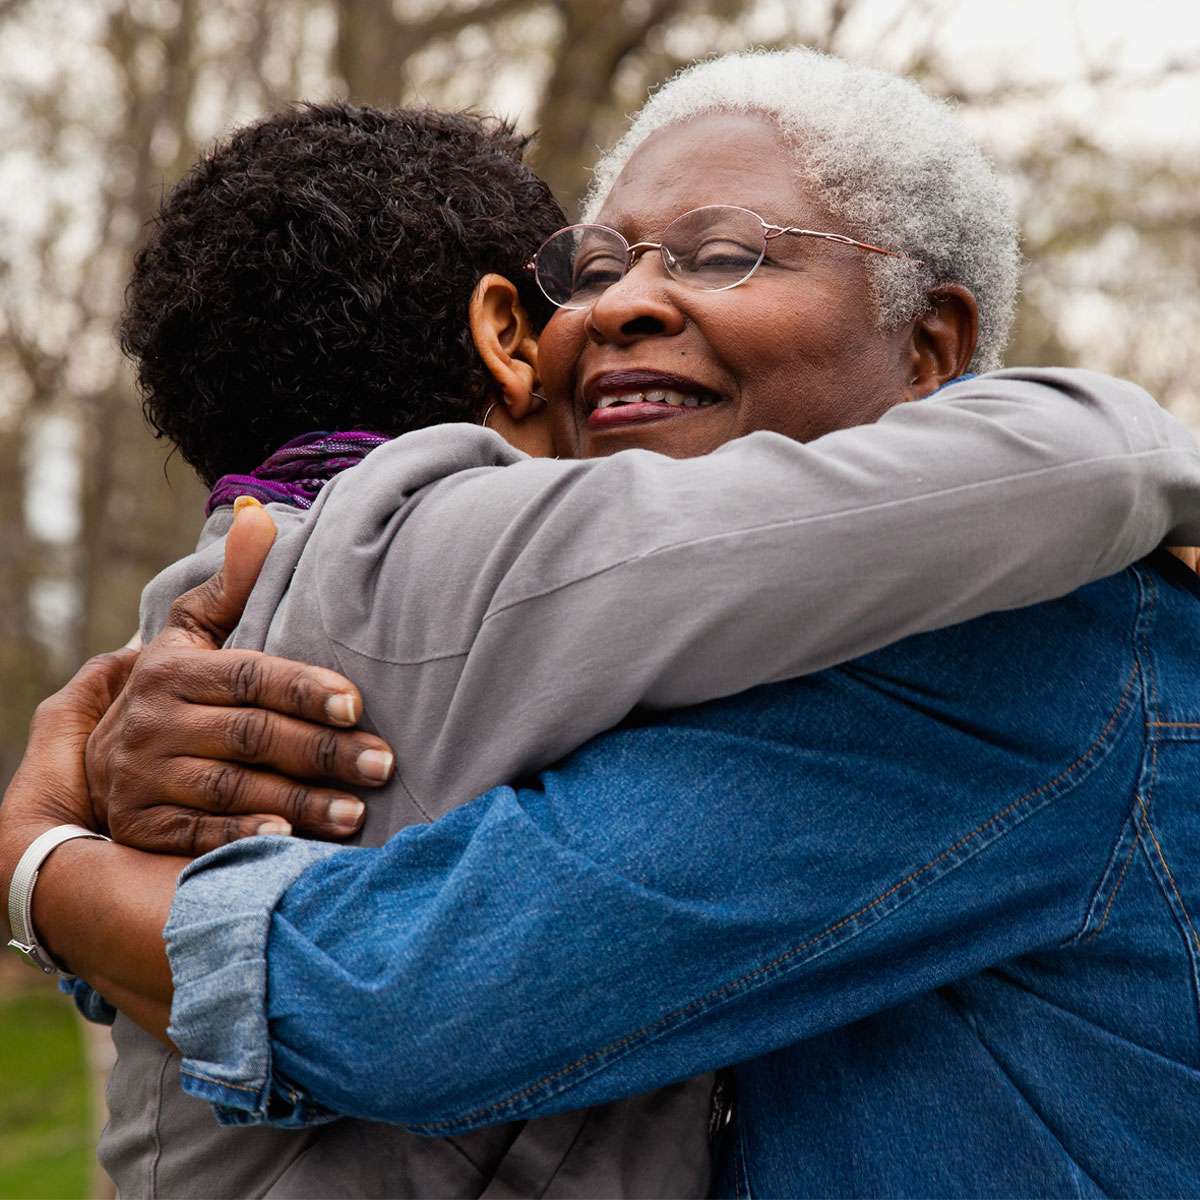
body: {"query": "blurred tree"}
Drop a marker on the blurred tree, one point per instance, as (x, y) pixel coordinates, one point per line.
(98, 127)
(103, 106)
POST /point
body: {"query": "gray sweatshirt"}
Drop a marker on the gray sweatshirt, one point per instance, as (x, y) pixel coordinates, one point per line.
(498, 611)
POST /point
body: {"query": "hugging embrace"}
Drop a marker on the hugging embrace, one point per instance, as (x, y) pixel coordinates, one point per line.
(775, 721)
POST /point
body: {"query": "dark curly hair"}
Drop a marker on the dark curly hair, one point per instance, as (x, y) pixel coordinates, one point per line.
(314, 270)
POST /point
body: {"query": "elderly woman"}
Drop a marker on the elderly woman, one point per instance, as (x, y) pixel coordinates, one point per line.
(959, 866)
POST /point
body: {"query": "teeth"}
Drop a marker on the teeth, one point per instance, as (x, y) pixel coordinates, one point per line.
(660, 396)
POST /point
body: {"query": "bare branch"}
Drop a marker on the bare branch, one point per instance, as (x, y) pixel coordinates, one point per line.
(451, 21)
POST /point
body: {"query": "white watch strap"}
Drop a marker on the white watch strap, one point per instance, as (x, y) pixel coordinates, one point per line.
(20, 892)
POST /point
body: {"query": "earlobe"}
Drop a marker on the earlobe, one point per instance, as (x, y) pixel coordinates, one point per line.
(505, 341)
(943, 339)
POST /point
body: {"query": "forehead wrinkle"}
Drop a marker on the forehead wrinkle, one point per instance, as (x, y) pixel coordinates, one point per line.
(694, 163)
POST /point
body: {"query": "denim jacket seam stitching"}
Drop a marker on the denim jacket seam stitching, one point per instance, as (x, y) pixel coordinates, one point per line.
(1146, 612)
(1148, 586)
(1192, 937)
(1048, 791)
(1129, 833)
(1147, 597)
(250, 1088)
(1185, 926)
(1146, 615)
(1142, 821)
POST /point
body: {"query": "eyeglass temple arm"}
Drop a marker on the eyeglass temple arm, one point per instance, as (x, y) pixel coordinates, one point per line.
(773, 231)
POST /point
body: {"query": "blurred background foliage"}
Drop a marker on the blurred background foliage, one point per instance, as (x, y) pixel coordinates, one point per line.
(103, 105)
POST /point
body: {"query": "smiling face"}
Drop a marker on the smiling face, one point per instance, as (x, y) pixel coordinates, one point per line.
(795, 349)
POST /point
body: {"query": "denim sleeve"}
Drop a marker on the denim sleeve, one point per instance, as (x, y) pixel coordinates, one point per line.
(91, 1005)
(670, 900)
(216, 941)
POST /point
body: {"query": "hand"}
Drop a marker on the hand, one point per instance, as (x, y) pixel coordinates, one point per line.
(165, 765)
(49, 787)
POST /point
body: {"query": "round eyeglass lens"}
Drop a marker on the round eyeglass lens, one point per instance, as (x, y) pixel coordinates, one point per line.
(715, 247)
(576, 264)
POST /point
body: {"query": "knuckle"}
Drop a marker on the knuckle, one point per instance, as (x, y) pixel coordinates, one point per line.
(325, 752)
(249, 732)
(296, 692)
(153, 673)
(172, 832)
(46, 713)
(194, 835)
(139, 722)
(296, 802)
(246, 680)
(157, 832)
(180, 614)
(190, 611)
(221, 787)
(107, 662)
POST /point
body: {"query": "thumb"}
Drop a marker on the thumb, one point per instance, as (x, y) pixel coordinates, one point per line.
(209, 613)
(247, 545)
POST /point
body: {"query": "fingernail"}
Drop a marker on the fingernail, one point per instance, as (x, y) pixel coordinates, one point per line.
(245, 502)
(274, 829)
(341, 709)
(376, 765)
(346, 813)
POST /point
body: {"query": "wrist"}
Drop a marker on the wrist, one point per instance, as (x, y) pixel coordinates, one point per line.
(15, 839)
(23, 888)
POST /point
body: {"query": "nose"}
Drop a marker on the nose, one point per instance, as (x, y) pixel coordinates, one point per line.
(638, 305)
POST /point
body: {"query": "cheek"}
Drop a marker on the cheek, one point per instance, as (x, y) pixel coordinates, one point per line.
(810, 362)
(559, 347)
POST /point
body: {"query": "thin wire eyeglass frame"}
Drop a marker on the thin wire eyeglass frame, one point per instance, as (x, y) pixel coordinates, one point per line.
(637, 249)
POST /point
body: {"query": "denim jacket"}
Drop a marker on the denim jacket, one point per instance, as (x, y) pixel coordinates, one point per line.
(938, 904)
(497, 612)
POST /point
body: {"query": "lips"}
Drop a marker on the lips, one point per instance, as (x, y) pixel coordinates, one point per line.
(631, 397)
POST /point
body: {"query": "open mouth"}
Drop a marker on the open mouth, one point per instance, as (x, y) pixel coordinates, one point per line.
(633, 397)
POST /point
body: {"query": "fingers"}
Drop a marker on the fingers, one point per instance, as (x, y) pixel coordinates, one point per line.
(207, 799)
(247, 677)
(293, 747)
(189, 832)
(208, 614)
(247, 545)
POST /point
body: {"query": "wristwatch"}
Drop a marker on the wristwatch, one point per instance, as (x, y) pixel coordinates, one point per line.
(20, 893)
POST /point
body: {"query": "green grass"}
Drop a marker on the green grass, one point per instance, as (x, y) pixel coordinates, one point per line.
(45, 1134)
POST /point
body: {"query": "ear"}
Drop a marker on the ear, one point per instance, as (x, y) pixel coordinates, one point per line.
(504, 338)
(943, 340)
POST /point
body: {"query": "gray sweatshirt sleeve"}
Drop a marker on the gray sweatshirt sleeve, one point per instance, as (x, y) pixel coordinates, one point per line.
(531, 607)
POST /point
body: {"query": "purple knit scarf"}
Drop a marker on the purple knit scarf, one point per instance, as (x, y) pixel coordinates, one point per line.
(296, 473)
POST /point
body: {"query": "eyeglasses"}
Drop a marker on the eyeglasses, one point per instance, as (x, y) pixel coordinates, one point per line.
(713, 248)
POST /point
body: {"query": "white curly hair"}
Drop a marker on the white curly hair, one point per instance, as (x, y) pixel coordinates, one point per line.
(882, 155)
